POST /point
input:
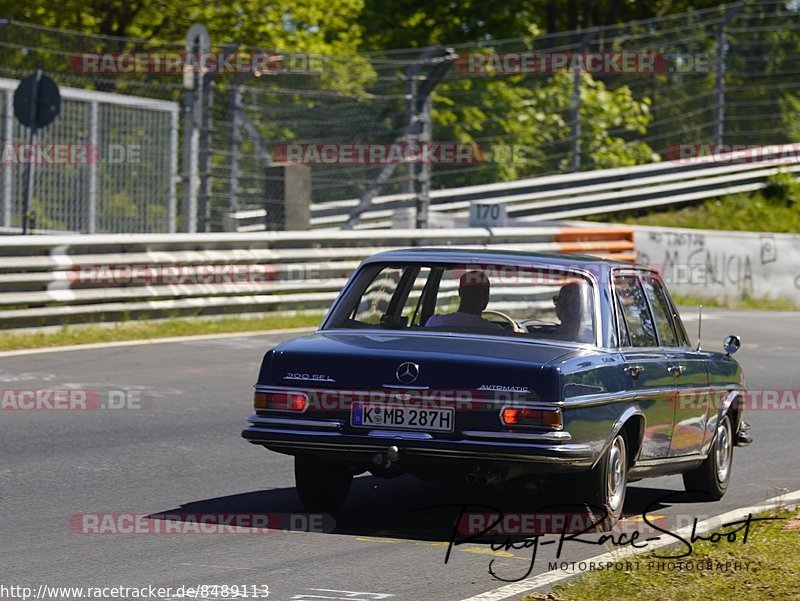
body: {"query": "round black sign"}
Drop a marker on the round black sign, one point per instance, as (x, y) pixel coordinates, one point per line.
(48, 101)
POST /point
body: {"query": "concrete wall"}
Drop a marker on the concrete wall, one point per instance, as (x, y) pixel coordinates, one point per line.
(723, 264)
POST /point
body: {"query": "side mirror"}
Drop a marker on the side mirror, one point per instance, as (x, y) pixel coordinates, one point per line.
(732, 344)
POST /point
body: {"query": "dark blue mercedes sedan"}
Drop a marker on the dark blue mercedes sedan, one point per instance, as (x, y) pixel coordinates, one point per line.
(488, 367)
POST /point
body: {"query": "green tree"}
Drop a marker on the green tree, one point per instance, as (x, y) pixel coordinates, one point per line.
(523, 125)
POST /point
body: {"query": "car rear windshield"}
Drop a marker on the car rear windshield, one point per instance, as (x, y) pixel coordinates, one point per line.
(491, 299)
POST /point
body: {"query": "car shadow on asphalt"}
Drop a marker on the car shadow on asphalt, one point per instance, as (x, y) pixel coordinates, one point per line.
(406, 508)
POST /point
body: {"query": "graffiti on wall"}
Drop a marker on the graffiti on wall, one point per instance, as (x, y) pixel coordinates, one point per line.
(723, 264)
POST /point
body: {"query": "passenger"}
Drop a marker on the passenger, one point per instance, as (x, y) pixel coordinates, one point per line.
(570, 311)
(473, 292)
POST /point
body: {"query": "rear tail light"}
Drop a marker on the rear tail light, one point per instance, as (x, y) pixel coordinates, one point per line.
(281, 401)
(523, 416)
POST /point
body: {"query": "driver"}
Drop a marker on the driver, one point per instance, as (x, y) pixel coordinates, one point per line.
(473, 292)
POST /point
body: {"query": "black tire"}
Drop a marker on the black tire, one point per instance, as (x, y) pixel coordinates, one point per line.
(709, 482)
(322, 486)
(604, 487)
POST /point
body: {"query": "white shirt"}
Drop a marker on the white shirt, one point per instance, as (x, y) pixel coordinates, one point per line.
(460, 319)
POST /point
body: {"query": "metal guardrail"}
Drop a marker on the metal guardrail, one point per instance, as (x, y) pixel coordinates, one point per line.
(583, 193)
(48, 280)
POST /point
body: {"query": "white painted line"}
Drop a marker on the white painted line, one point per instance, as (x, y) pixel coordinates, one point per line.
(788, 500)
(202, 565)
(97, 345)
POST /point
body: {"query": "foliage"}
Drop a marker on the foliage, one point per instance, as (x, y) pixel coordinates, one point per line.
(775, 209)
(418, 23)
(307, 26)
(783, 189)
(530, 118)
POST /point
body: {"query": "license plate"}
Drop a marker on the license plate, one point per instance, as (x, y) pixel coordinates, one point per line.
(381, 415)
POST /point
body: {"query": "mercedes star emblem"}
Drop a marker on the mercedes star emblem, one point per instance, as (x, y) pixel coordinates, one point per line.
(407, 372)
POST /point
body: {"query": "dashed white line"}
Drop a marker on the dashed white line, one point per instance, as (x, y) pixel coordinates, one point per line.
(202, 565)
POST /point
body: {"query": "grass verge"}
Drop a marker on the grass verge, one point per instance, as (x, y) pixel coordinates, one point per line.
(146, 330)
(773, 571)
(765, 304)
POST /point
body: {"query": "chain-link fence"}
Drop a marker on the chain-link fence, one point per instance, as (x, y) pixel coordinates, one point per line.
(726, 75)
(722, 75)
(107, 163)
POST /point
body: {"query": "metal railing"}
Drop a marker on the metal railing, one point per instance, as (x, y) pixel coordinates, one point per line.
(123, 176)
(585, 193)
(49, 280)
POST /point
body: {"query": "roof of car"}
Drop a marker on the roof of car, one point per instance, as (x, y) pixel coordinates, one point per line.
(468, 255)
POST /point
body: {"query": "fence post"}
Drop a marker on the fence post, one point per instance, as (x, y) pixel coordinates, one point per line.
(198, 42)
(90, 224)
(204, 159)
(234, 143)
(720, 84)
(8, 172)
(172, 200)
(423, 180)
(722, 53)
(411, 92)
(190, 180)
(575, 105)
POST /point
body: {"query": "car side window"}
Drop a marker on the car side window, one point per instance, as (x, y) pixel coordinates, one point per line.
(376, 298)
(623, 334)
(662, 313)
(412, 309)
(635, 311)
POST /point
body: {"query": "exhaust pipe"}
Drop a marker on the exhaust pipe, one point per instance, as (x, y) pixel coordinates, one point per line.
(471, 479)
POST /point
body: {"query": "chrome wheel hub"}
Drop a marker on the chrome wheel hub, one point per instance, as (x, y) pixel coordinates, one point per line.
(724, 449)
(617, 472)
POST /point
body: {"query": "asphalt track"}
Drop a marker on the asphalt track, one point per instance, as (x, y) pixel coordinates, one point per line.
(180, 451)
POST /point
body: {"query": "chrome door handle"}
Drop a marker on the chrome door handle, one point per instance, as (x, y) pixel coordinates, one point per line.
(634, 370)
(676, 370)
